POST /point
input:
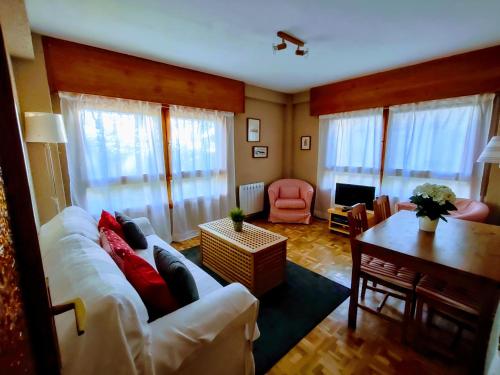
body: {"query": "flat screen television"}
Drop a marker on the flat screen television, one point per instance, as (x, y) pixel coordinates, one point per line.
(349, 195)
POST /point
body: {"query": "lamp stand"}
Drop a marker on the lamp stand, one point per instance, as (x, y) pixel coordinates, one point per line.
(50, 166)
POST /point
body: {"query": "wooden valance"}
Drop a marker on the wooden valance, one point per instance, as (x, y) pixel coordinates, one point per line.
(83, 69)
(458, 75)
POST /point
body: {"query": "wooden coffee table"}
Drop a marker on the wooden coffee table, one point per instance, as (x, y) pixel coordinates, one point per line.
(254, 257)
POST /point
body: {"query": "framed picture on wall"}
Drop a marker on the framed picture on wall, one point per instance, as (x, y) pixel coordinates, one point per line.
(253, 130)
(305, 142)
(259, 152)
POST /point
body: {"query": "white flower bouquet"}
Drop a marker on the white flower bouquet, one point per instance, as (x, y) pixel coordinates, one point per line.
(433, 201)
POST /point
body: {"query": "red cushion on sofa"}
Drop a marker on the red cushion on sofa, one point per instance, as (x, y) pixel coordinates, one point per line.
(150, 286)
(108, 221)
(115, 246)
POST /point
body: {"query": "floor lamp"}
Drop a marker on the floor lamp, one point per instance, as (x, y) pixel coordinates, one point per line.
(46, 128)
(491, 153)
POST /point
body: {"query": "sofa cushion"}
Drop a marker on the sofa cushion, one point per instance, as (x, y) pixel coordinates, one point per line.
(108, 221)
(115, 246)
(153, 290)
(290, 203)
(289, 192)
(133, 234)
(71, 220)
(177, 276)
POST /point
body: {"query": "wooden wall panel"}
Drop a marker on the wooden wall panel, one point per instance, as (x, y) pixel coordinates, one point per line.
(464, 74)
(79, 68)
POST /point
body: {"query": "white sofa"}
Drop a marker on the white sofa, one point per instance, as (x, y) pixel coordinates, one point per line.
(213, 335)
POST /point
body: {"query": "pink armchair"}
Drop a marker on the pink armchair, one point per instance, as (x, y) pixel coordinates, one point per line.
(290, 201)
(467, 209)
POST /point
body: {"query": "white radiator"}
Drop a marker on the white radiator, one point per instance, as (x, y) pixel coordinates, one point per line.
(252, 198)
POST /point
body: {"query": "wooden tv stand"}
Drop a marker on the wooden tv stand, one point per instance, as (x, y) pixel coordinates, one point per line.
(337, 220)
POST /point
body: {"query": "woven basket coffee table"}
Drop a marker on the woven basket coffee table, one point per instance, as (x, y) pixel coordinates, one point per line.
(254, 257)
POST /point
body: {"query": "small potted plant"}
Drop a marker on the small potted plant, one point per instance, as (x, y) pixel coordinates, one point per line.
(433, 201)
(237, 215)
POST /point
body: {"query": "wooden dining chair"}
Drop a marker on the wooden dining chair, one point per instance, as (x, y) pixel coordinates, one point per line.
(455, 304)
(381, 208)
(399, 280)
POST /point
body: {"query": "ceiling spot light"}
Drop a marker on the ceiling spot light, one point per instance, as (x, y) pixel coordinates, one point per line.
(279, 47)
(301, 52)
(291, 39)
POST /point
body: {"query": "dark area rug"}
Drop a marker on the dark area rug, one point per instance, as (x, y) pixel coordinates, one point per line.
(289, 311)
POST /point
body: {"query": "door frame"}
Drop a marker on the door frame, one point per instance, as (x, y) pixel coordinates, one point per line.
(23, 227)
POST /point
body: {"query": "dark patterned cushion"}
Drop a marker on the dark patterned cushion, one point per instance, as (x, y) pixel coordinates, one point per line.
(177, 276)
(133, 234)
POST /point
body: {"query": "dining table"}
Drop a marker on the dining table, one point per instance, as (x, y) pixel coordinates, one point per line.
(464, 253)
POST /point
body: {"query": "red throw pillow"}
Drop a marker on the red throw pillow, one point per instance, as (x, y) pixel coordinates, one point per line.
(115, 246)
(150, 285)
(108, 221)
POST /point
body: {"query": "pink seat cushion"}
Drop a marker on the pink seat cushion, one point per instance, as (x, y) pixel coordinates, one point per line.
(290, 203)
(290, 192)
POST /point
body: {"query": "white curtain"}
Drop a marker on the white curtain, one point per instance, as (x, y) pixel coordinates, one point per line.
(202, 157)
(115, 157)
(438, 142)
(349, 152)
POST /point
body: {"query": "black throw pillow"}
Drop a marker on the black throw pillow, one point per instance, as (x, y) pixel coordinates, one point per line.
(177, 276)
(133, 234)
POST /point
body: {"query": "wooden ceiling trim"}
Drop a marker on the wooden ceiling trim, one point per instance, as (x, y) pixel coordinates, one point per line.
(458, 75)
(84, 69)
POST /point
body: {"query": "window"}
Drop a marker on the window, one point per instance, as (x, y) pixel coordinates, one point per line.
(202, 168)
(115, 156)
(349, 151)
(437, 142)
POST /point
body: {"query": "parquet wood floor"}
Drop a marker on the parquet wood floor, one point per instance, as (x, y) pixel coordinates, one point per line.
(332, 348)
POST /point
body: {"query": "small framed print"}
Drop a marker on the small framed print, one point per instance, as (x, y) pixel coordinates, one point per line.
(305, 142)
(259, 152)
(253, 130)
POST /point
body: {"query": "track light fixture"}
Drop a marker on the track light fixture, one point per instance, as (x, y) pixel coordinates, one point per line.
(291, 39)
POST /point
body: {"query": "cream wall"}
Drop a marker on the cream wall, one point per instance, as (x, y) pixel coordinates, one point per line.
(305, 162)
(268, 106)
(34, 96)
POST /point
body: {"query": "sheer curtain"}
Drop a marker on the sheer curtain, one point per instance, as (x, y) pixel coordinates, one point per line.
(349, 152)
(115, 157)
(438, 142)
(202, 158)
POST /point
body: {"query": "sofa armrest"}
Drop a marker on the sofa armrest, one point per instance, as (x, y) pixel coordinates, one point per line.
(177, 336)
(145, 225)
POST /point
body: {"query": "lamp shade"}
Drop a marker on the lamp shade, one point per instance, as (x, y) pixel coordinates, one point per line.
(44, 128)
(491, 153)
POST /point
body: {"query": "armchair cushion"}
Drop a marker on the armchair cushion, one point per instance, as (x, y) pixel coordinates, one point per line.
(289, 192)
(290, 203)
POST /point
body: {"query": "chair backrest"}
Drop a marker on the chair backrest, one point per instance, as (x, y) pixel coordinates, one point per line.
(358, 220)
(285, 188)
(382, 208)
